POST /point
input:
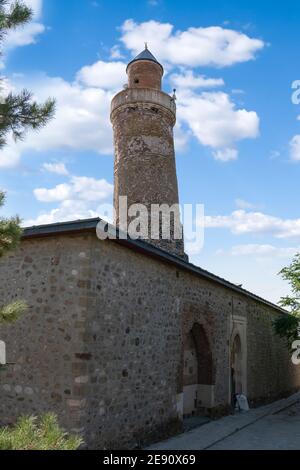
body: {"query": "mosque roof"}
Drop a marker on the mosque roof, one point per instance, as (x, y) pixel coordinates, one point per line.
(90, 225)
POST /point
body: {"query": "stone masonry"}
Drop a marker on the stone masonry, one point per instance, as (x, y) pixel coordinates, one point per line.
(102, 342)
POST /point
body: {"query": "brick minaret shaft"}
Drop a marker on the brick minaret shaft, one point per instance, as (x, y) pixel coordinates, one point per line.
(143, 118)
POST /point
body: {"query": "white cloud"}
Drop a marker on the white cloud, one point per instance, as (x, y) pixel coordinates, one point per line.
(216, 122)
(274, 154)
(82, 117)
(56, 168)
(10, 155)
(115, 53)
(68, 210)
(81, 187)
(27, 34)
(241, 222)
(263, 250)
(237, 91)
(79, 198)
(106, 75)
(23, 36)
(90, 189)
(181, 137)
(225, 155)
(59, 193)
(36, 6)
(211, 46)
(73, 209)
(189, 80)
(242, 204)
(295, 148)
(81, 121)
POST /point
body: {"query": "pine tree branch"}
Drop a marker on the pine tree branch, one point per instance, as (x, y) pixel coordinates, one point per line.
(13, 16)
(2, 198)
(18, 113)
(10, 234)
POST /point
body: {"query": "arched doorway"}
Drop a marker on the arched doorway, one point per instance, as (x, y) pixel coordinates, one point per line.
(236, 366)
(197, 372)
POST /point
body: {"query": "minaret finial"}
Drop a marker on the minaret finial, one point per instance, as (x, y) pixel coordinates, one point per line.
(146, 45)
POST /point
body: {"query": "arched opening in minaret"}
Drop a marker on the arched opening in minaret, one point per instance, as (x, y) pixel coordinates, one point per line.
(197, 372)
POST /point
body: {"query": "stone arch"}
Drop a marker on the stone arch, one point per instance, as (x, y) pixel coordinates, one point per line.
(204, 355)
(197, 371)
(194, 314)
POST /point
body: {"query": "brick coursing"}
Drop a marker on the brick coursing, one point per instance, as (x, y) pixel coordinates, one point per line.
(145, 74)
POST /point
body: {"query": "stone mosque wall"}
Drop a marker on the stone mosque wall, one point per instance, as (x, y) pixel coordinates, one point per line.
(106, 341)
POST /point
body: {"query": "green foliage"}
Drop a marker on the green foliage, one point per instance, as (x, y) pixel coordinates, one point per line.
(292, 275)
(12, 312)
(32, 434)
(287, 326)
(10, 233)
(18, 112)
(14, 15)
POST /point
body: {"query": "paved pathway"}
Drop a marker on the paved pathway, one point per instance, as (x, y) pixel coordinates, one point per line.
(275, 426)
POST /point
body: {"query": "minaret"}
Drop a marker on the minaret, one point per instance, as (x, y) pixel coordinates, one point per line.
(143, 118)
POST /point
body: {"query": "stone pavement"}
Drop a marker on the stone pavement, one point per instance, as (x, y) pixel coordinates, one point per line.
(274, 426)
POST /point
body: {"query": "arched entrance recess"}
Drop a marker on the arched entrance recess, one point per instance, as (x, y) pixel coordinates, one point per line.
(197, 372)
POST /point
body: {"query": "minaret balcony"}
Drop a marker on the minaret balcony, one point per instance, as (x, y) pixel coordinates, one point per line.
(132, 96)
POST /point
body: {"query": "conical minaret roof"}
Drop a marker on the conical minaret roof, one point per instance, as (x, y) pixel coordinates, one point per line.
(145, 55)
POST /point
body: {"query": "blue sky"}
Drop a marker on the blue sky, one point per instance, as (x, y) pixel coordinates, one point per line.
(238, 136)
